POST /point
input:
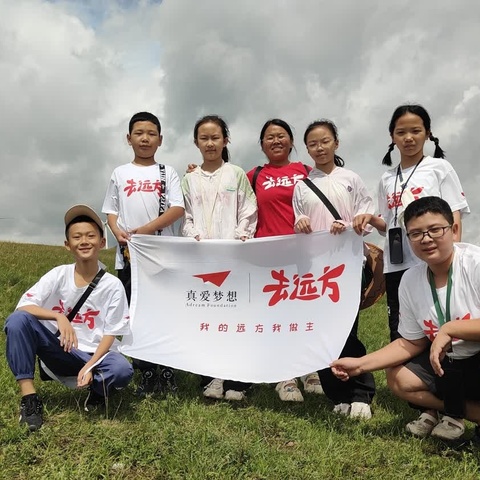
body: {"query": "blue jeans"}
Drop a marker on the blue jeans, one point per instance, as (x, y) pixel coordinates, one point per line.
(28, 338)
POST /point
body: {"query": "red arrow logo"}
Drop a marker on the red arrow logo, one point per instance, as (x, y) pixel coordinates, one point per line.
(216, 278)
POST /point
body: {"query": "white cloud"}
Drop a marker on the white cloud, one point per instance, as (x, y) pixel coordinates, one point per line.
(74, 72)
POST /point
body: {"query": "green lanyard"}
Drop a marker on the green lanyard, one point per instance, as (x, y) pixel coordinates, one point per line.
(441, 318)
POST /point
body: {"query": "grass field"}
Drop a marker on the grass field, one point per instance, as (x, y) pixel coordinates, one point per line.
(188, 437)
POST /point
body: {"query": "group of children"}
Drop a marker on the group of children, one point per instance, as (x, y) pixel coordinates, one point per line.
(218, 200)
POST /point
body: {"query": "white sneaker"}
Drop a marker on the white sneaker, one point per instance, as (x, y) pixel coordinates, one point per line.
(342, 408)
(288, 391)
(360, 410)
(235, 395)
(311, 383)
(214, 389)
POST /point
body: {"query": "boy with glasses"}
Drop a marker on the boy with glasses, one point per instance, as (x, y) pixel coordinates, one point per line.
(436, 363)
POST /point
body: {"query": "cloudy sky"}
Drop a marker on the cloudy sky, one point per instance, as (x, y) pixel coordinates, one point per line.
(74, 71)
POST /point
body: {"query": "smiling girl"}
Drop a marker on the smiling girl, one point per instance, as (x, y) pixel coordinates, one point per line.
(219, 203)
(418, 175)
(347, 193)
(415, 177)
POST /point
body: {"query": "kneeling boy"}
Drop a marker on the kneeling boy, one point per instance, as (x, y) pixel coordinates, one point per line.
(436, 365)
(83, 347)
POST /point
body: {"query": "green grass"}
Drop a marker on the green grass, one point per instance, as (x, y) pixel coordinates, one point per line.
(187, 437)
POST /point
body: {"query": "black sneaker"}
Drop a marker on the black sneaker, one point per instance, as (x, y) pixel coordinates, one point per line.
(93, 400)
(167, 380)
(150, 383)
(31, 412)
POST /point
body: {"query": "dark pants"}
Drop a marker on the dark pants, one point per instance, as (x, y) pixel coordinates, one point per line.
(28, 338)
(356, 389)
(460, 381)
(125, 276)
(227, 384)
(392, 282)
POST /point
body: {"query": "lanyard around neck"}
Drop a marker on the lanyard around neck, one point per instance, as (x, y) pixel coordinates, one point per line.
(441, 318)
(403, 185)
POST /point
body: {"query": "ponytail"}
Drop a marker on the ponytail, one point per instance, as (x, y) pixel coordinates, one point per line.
(439, 153)
(225, 154)
(223, 126)
(338, 161)
(387, 159)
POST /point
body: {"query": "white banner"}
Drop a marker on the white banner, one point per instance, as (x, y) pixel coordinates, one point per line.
(263, 310)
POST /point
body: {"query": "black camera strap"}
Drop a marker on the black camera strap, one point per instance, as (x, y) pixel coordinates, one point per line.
(367, 273)
(163, 192)
(86, 294)
(83, 298)
(255, 176)
(323, 198)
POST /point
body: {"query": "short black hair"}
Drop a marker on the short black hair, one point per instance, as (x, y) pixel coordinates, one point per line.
(428, 205)
(144, 117)
(279, 123)
(83, 219)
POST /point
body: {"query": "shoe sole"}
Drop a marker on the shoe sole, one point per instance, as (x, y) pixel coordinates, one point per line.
(446, 438)
(214, 397)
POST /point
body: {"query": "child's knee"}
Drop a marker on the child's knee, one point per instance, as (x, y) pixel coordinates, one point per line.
(18, 321)
(395, 381)
(401, 380)
(122, 371)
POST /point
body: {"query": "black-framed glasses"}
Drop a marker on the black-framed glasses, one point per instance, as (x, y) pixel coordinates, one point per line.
(434, 232)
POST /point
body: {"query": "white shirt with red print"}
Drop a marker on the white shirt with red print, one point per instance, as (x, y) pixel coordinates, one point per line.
(133, 195)
(433, 176)
(343, 188)
(105, 311)
(418, 316)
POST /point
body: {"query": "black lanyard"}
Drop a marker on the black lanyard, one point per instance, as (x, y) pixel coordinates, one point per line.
(403, 185)
(441, 318)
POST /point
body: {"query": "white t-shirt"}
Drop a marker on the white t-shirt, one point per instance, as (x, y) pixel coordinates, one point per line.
(433, 176)
(105, 311)
(133, 195)
(418, 317)
(220, 204)
(345, 190)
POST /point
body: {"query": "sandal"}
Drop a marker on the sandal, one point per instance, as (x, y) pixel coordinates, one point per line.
(449, 428)
(423, 425)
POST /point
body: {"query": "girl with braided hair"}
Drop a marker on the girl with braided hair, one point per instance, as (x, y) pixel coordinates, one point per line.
(417, 175)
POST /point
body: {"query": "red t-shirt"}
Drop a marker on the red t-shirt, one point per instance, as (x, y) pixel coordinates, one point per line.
(274, 190)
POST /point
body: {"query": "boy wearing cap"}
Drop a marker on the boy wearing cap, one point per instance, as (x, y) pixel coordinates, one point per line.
(84, 347)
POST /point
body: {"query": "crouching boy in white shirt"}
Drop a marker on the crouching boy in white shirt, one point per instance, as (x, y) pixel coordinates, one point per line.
(84, 347)
(436, 363)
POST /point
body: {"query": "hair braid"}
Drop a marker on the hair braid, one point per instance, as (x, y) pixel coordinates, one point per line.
(387, 159)
(439, 153)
